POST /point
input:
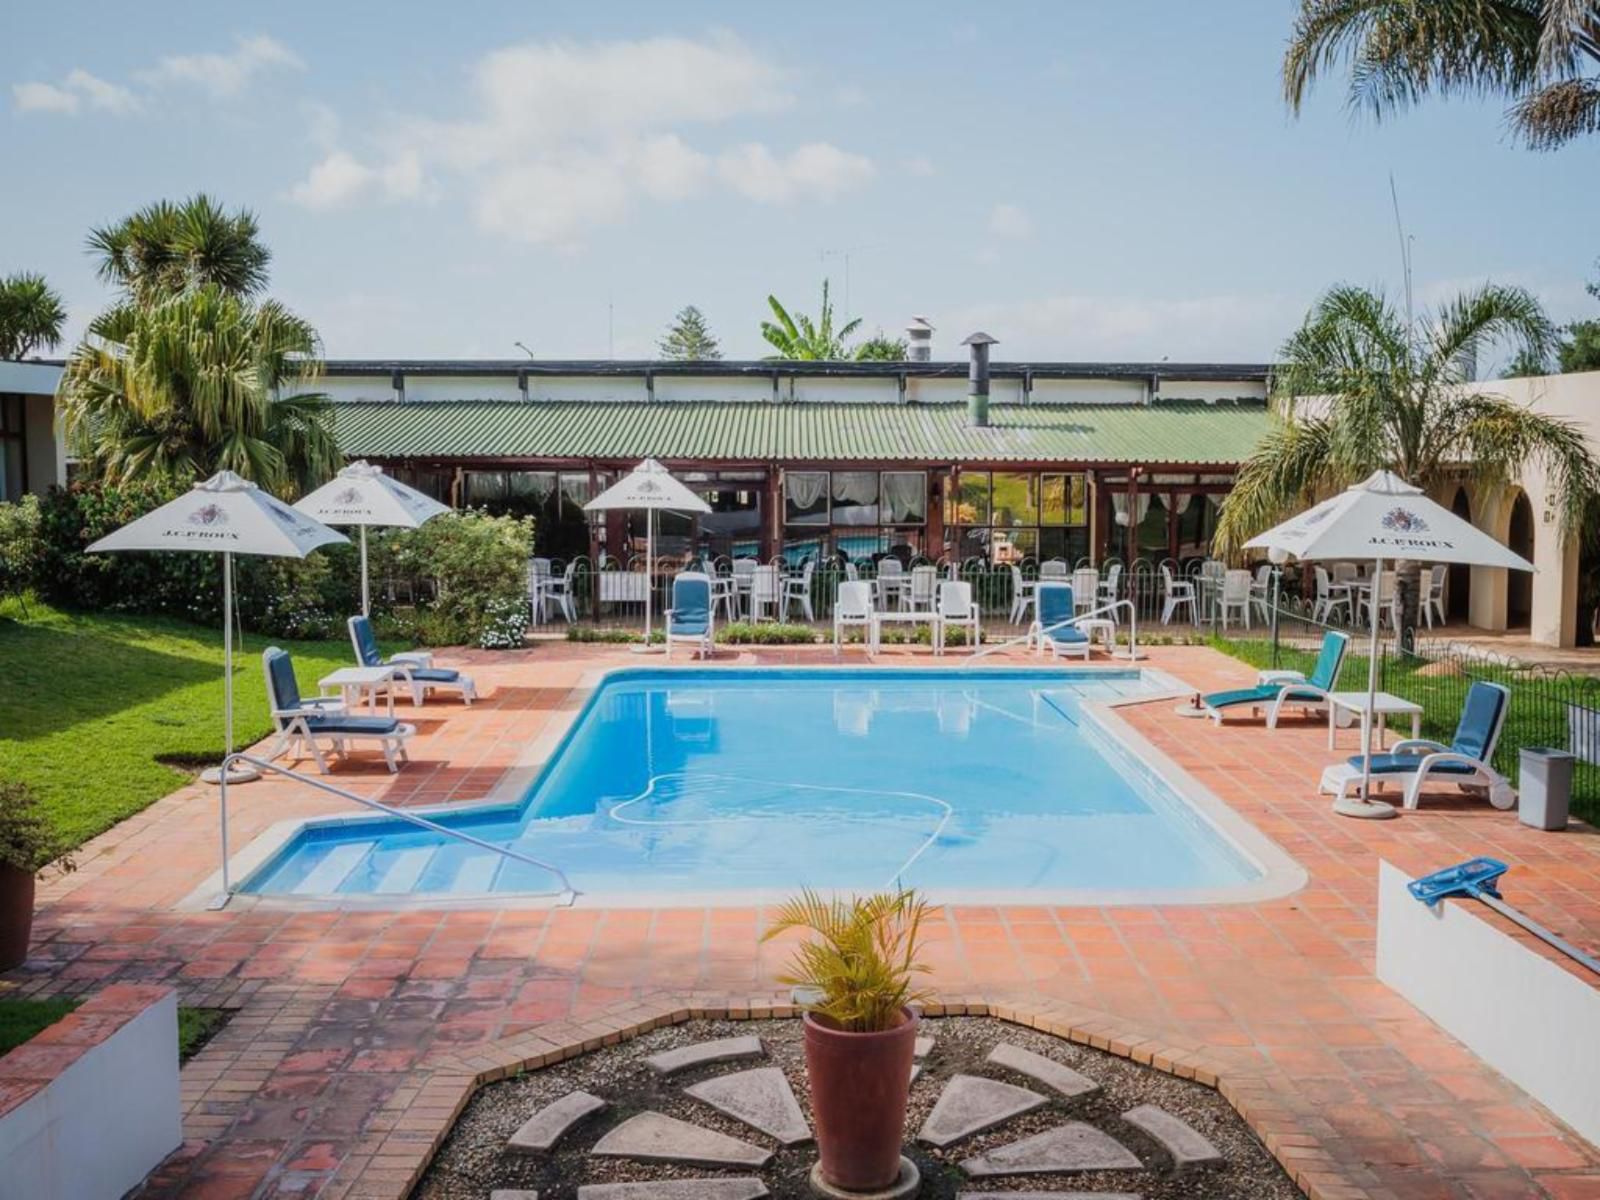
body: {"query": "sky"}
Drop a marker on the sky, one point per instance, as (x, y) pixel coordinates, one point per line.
(1082, 181)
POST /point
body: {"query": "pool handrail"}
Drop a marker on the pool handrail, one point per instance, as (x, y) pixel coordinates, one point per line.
(564, 898)
(1113, 606)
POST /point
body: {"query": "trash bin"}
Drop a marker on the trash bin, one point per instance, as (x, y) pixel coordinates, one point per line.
(1545, 789)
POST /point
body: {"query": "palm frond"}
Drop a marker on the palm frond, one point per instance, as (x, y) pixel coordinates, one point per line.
(1290, 464)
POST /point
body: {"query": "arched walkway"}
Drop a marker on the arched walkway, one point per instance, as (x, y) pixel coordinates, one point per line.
(1458, 592)
(1519, 584)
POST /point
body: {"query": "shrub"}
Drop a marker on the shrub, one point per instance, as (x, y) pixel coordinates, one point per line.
(592, 633)
(28, 840)
(21, 545)
(475, 566)
(744, 633)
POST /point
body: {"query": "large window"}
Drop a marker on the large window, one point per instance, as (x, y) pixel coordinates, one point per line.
(855, 498)
(905, 498)
(1008, 516)
(805, 498)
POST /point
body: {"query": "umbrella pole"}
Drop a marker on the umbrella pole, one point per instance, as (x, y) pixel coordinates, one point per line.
(366, 607)
(227, 653)
(1363, 805)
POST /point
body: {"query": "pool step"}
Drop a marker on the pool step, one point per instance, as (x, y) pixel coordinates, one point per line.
(324, 878)
(405, 870)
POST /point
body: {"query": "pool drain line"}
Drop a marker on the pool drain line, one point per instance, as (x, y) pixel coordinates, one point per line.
(947, 810)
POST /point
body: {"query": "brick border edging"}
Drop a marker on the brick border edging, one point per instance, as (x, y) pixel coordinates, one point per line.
(408, 1131)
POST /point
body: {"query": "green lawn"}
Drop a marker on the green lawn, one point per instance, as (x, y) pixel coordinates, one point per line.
(1538, 715)
(21, 1019)
(103, 715)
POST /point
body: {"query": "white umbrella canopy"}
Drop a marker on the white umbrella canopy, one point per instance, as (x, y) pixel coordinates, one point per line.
(648, 486)
(1383, 517)
(224, 515)
(363, 495)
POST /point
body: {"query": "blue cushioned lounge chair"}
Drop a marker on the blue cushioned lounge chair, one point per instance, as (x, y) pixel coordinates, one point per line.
(1274, 696)
(413, 670)
(303, 724)
(1465, 761)
(690, 618)
(1052, 609)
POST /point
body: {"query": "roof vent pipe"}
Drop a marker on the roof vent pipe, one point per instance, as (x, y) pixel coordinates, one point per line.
(919, 340)
(978, 378)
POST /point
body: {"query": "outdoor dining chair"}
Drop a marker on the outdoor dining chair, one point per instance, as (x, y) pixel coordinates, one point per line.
(1175, 594)
(1235, 596)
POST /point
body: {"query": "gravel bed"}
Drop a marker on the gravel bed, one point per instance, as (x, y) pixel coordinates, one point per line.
(473, 1160)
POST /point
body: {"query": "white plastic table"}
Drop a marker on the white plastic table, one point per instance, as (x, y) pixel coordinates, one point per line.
(1384, 704)
(354, 683)
(907, 616)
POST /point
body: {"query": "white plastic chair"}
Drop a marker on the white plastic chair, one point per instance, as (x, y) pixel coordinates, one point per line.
(559, 591)
(1110, 587)
(538, 576)
(1175, 593)
(955, 608)
(1021, 595)
(853, 607)
(797, 590)
(1388, 600)
(1236, 596)
(1085, 588)
(1331, 598)
(921, 594)
(766, 591)
(1055, 568)
(1433, 598)
(1261, 591)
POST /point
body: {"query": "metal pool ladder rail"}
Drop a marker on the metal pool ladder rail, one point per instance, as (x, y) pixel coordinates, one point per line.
(565, 897)
(1115, 605)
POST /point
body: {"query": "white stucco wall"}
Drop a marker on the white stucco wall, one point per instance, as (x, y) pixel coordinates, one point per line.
(1525, 1016)
(104, 1123)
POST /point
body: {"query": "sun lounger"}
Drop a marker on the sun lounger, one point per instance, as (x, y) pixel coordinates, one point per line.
(690, 618)
(1277, 694)
(420, 676)
(303, 725)
(1466, 761)
(1051, 626)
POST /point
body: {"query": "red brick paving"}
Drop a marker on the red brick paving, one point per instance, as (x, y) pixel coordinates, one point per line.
(358, 1033)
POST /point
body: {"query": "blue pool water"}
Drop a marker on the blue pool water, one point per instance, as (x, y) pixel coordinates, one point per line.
(760, 781)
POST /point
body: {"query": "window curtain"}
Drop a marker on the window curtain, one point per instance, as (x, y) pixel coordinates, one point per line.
(805, 489)
(1181, 501)
(905, 497)
(1119, 505)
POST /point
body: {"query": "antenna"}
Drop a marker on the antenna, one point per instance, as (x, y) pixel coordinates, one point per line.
(611, 328)
(1405, 256)
(843, 252)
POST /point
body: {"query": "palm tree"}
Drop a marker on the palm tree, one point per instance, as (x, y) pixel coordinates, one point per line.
(802, 338)
(31, 315)
(199, 382)
(1541, 55)
(167, 248)
(1360, 389)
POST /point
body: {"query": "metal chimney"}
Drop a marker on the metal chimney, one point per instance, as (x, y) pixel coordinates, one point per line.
(978, 378)
(919, 337)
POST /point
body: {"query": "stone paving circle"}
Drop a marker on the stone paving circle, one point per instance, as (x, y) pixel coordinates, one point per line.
(712, 1127)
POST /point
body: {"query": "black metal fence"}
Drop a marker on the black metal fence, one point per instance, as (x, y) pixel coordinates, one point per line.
(1550, 707)
(1186, 598)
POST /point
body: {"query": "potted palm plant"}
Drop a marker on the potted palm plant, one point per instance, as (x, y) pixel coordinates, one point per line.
(860, 1030)
(28, 843)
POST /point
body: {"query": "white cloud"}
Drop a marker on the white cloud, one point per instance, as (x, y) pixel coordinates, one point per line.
(78, 90)
(818, 170)
(340, 180)
(225, 74)
(1010, 221)
(565, 137)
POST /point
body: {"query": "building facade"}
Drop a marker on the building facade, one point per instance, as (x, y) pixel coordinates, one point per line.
(1079, 461)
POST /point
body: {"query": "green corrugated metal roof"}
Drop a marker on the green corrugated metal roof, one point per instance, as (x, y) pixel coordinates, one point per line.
(799, 432)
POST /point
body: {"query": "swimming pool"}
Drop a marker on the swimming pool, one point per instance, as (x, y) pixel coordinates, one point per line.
(737, 784)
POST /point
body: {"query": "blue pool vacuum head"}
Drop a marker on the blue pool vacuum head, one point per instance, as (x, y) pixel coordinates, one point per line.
(1475, 877)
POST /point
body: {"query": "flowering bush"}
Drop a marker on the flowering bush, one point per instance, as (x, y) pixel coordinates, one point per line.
(505, 621)
(21, 548)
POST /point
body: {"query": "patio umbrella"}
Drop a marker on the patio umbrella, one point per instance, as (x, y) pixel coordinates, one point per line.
(649, 487)
(1383, 518)
(363, 495)
(224, 515)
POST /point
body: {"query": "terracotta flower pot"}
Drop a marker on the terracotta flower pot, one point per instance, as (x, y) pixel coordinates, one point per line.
(859, 1086)
(16, 915)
